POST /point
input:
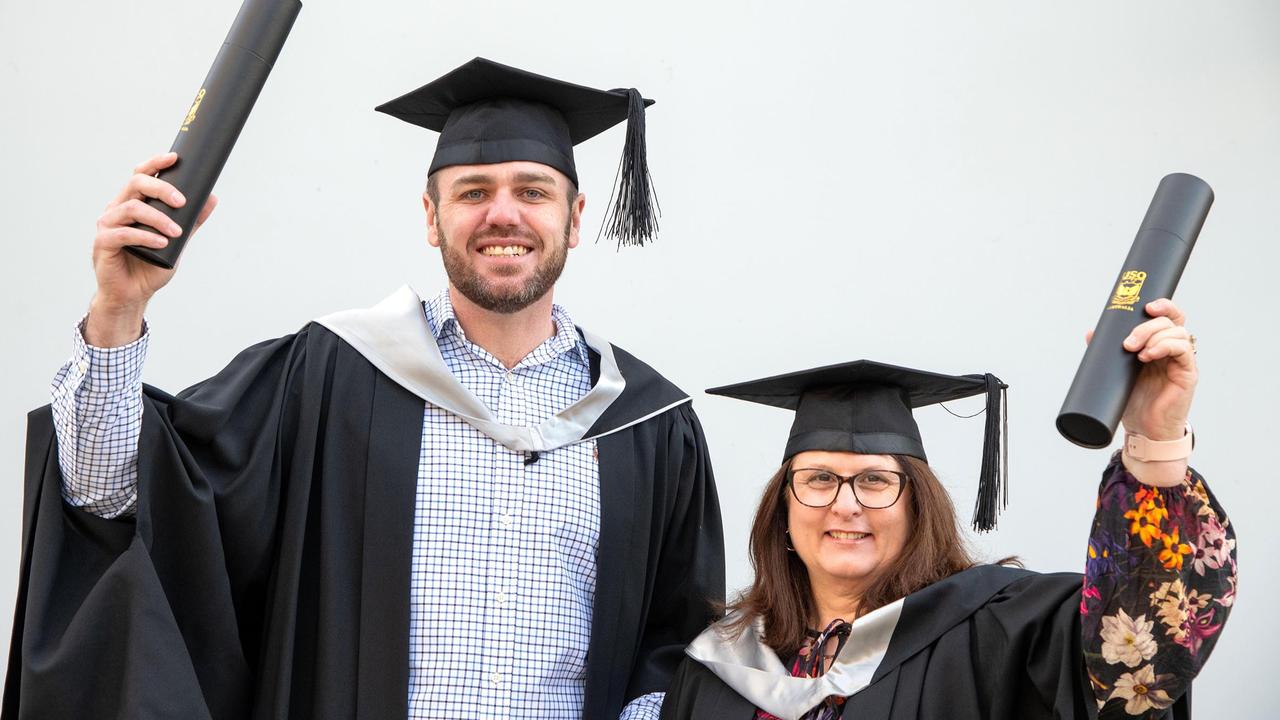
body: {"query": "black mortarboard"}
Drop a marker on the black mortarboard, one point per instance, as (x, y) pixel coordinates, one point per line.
(865, 407)
(487, 112)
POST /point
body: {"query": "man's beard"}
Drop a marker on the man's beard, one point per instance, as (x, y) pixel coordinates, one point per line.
(463, 276)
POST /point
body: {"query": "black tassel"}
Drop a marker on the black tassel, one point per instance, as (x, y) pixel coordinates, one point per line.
(993, 481)
(633, 214)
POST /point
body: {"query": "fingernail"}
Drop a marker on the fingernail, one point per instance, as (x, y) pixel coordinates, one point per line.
(177, 198)
(1129, 342)
(174, 230)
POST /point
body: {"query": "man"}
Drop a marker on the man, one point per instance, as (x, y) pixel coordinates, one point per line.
(459, 508)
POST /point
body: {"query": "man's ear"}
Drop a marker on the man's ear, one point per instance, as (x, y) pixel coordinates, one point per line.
(433, 237)
(575, 221)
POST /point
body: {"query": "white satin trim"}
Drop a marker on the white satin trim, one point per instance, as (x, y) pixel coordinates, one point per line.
(753, 670)
(395, 338)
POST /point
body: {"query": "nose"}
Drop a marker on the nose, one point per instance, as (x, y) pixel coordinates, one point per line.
(503, 210)
(846, 503)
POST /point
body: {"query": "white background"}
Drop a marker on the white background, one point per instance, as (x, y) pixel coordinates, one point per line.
(950, 186)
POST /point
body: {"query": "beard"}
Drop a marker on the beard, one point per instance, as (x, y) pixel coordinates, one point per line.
(501, 297)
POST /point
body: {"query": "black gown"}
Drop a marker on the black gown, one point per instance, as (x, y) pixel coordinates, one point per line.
(266, 574)
(992, 642)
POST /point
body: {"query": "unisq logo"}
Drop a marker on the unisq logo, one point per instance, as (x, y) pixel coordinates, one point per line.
(191, 114)
(1128, 290)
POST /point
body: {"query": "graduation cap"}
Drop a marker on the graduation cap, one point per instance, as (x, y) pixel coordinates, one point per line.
(487, 112)
(865, 407)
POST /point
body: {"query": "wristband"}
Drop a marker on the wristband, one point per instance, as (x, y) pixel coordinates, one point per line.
(1144, 449)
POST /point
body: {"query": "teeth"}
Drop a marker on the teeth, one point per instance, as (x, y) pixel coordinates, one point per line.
(837, 534)
(505, 250)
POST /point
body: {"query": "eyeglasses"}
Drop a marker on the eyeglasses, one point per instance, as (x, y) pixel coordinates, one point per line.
(873, 489)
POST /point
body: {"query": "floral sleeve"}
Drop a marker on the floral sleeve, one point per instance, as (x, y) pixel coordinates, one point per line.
(1159, 583)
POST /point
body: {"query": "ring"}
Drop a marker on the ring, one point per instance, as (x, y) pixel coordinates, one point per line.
(1192, 338)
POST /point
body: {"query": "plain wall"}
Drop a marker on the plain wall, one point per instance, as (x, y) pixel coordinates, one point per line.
(950, 186)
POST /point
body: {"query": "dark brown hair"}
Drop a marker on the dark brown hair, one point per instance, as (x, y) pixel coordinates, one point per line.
(781, 594)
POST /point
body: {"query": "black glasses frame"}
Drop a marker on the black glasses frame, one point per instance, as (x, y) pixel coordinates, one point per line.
(903, 479)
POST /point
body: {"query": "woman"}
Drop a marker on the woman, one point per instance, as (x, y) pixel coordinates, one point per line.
(866, 605)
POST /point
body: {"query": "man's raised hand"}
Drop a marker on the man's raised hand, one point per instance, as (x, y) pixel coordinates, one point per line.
(125, 282)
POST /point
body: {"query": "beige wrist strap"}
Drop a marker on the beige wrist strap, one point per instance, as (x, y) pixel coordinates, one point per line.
(1144, 449)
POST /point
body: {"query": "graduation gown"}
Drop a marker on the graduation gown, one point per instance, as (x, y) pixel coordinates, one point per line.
(266, 573)
(991, 642)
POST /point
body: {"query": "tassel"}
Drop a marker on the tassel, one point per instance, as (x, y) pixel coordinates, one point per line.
(993, 481)
(633, 214)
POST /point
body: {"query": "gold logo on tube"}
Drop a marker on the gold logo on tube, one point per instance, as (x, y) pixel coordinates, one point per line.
(191, 114)
(1128, 290)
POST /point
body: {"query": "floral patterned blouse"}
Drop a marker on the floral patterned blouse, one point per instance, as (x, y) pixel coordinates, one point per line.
(1160, 580)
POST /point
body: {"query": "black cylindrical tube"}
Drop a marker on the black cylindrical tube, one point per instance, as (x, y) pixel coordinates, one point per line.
(1159, 253)
(217, 115)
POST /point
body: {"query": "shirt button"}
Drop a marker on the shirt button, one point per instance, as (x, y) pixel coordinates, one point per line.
(500, 597)
(505, 520)
(496, 677)
(83, 365)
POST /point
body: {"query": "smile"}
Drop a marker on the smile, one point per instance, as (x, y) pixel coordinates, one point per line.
(841, 535)
(495, 250)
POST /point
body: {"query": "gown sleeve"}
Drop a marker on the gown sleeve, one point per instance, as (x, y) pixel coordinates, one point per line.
(1159, 582)
(688, 584)
(140, 616)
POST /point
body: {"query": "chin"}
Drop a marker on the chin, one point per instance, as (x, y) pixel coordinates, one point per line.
(850, 572)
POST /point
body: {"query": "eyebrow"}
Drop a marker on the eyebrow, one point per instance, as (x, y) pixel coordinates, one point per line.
(473, 179)
(535, 177)
(821, 466)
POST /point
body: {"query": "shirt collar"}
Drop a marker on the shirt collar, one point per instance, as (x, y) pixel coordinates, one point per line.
(442, 320)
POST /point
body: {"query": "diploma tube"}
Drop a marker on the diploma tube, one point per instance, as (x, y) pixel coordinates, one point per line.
(218, 113)
(1105, 378)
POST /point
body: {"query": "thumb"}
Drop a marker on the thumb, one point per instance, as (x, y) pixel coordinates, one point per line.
(205, 212)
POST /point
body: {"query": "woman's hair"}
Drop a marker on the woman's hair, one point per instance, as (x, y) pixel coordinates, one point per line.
(781, 594)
